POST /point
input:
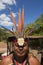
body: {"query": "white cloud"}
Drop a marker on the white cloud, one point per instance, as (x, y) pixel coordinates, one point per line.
(6, 23)
(5, 20)
(14, 1)
(2, 6)
(10, 2)
(4, 17)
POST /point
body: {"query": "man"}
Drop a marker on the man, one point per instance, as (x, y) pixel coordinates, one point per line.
(20, 54)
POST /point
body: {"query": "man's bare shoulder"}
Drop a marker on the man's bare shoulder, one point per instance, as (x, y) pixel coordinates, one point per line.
(33, 60)
(7, 60)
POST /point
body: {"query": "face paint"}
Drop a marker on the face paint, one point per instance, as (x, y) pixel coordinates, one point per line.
(15, 41)
(20, 41)
(26, 40)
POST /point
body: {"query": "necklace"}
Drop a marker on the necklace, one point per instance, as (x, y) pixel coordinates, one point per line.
(16, 63)
(19, 64)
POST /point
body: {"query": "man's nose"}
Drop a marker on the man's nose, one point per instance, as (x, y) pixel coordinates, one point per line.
(20, 48)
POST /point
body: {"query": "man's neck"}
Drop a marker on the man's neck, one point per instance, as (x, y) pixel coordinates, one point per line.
(20, 59)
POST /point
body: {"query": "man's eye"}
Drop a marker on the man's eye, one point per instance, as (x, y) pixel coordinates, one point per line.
(16, 45)
(15, 41)
(26, 40)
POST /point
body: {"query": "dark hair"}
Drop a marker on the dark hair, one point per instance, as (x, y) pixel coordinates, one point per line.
(10, 39)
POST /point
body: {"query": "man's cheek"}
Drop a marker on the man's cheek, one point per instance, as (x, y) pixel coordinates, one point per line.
(26, 48)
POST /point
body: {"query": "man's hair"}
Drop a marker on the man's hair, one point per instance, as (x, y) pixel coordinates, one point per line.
(10, 39)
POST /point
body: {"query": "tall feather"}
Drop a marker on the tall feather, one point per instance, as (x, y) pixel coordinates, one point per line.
(22, 18)
(19, 21)
(13, 20)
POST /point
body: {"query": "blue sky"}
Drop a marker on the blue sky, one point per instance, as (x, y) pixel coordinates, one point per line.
(32, 8)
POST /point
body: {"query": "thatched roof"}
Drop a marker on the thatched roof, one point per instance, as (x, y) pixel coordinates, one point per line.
(33, 37)
(3, 47)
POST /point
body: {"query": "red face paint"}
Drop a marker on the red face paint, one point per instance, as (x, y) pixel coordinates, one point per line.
(20, 41)
(26, 40)
(15, 41)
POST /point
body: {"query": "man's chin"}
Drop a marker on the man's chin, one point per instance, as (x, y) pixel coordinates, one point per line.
(21, 55)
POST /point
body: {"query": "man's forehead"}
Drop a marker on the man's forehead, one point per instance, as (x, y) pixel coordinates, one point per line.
(20, 41)
(21, 38)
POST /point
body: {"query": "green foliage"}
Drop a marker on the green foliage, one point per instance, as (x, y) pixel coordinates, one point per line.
(39, 27)
(3, 34)
(38, 31)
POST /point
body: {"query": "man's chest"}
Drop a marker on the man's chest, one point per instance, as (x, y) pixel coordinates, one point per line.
(23, 63)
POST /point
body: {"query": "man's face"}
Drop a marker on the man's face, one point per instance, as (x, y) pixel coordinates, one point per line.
(20, 47)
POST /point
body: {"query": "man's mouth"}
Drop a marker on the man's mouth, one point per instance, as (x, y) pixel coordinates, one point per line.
(20, 52)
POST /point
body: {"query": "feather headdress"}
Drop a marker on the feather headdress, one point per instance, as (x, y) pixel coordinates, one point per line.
(19, 28)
